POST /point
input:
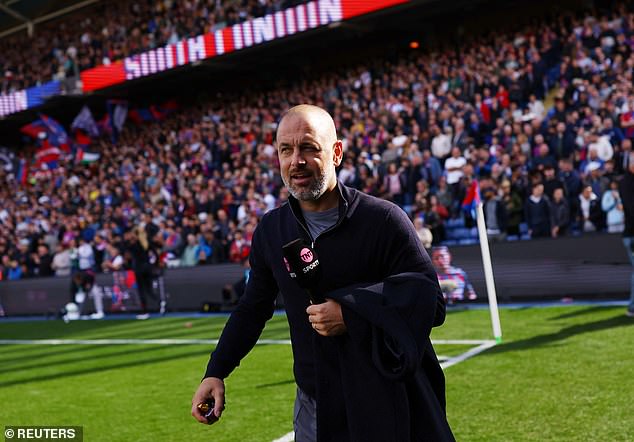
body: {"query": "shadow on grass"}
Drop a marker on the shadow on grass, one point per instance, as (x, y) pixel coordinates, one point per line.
(95, 370)
(276, 384)
(40, 352)
(564, 333)
(585, 311)
(128, 349)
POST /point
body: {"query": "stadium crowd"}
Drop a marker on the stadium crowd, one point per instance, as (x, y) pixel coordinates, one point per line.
(110, 31)
(418, 130)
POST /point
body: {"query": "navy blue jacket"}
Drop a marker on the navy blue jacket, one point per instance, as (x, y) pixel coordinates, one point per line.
(372, 240)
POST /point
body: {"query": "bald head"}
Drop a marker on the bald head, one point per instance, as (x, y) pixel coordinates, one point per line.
(317, 117)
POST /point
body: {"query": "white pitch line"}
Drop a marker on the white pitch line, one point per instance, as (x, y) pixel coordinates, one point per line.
(129, 341)
(484, 345)
(459, 341)
(288, 437)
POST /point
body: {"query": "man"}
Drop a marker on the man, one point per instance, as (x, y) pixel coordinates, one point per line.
(560, 213)
(343, 393)
(626, 191)
(537, 212)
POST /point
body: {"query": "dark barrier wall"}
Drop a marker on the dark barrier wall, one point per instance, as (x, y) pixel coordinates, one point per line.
(588, 267)
(188, 289)
(591, 266)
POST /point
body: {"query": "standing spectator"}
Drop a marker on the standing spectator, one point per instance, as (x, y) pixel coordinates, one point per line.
(440, 143)
(562, 143)
(61, 261)
(494, 214)
(612, 205)
(453, 167)
(239, 248)
(560, 213)
(551, 181)
(423, 232)
(192, 253)
(85, 255)
(43, 261)
(622, 157)
(590, 213)
(537, 212)
(139, 248)
(626, 190)
(513, 206)
(572, 185)
(430, 169)
(393, 185)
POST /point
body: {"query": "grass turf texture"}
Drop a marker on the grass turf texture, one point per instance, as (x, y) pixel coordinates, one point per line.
(562, 373)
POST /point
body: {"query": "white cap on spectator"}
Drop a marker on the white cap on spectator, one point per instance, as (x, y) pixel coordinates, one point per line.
(202, 216)
(593, 165)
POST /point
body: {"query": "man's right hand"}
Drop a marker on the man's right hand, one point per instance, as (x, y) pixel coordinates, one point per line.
(210, 388)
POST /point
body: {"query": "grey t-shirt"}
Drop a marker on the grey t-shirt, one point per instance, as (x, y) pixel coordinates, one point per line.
(318, 222)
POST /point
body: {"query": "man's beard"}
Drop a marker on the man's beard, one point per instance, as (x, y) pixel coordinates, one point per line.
(317, 188)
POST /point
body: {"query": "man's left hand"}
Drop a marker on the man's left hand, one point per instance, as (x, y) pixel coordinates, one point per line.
(326, 318)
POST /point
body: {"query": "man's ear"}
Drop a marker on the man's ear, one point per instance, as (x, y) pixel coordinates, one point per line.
(337, 153)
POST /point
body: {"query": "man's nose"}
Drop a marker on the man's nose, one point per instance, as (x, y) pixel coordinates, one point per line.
(298, 159)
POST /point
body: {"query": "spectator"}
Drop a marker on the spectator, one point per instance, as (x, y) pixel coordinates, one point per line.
(192, 253)
(43, 261)
(494, 214)
(590, 214)
(239, 248)
(85, 255)
(612, 205)
(560, 213)
(513, 206)
(423, 232)
(61, 261)
(537, 213)
(453, 168)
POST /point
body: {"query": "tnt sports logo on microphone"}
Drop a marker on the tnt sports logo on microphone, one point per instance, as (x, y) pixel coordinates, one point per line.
(306, 254)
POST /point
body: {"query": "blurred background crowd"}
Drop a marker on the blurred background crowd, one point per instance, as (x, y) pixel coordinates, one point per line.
(538, 121)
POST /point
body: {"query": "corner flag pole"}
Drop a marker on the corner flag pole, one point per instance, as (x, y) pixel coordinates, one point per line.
(488, 273)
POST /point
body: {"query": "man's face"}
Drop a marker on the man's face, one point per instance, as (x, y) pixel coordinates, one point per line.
(308, 152)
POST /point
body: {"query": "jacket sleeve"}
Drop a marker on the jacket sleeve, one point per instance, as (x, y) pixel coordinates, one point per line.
(246, 322)
(404, 253)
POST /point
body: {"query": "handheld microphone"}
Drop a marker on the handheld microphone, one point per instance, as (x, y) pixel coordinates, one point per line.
(303, 266)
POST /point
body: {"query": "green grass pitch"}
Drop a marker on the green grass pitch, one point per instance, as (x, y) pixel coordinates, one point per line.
(561, 374)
